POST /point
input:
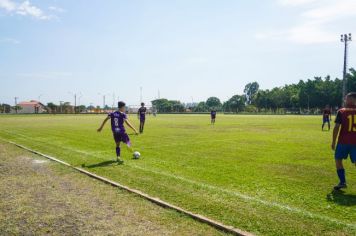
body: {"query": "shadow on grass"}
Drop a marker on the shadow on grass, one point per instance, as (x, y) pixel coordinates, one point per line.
(101, 164)
(341, 198)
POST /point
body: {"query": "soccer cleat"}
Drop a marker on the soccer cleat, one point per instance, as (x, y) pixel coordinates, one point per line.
(340, 186)
(119, 160)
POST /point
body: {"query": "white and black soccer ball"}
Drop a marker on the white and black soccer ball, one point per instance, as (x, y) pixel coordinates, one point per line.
(136, 155)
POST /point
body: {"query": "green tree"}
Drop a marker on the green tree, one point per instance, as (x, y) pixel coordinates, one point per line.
(52, 107)
(201, 107)
(250, 91)
(235, 104)
(213, 103)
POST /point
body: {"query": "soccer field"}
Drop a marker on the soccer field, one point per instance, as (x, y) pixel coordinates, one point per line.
(269, 175)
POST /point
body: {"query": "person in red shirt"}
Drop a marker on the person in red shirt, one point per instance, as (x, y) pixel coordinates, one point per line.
(345, 133)
(326, 117)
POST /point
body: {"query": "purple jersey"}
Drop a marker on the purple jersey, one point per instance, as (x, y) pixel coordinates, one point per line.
(213, 114)
(117, 121)
(142, 113)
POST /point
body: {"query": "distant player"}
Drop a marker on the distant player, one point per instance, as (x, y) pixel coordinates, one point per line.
(345, 122)
(142, 116)
(213, 116)
(326, 117)
(118, 118)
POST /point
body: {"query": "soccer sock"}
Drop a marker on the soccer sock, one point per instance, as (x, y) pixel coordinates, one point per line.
(341, 174)
(118, 151)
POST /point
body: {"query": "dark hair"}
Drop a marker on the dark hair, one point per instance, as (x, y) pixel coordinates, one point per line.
(142, 104)
(352, 95)
(121, 104)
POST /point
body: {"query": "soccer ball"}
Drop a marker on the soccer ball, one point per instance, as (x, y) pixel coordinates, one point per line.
(136, 155)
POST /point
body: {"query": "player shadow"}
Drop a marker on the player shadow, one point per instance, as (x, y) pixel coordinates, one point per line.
(101, 164)
(341, 198)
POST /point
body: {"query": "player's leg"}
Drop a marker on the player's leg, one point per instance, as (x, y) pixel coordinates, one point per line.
(353, 154)
(328, 124)
(143, 126)
(125, 139)
(341, 152)
(117, 139)
(118, 152)
(322, 126)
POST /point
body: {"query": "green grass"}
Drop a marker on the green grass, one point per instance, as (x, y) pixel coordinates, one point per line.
(269, 175)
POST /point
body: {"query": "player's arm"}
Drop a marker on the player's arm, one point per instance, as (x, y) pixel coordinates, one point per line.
(103, 124)
(130, 125)
(336, 130)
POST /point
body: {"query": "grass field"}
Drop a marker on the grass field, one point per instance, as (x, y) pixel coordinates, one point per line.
(41, 197)
(270, 175)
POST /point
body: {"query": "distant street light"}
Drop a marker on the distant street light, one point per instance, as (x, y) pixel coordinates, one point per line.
(75, 100)
(16, 103)
(39, 97)
(104, 96)
(60, 106)
(345, 39)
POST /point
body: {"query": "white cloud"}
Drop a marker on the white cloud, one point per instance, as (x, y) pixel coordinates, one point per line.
(295, 2)
(56, 9)
(333, 11)
(9, 40)
(46, 75)
(316, 19)
(25, 8)
(309, 33)
(7, 5)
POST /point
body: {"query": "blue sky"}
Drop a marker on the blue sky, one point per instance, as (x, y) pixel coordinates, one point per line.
(186, 49)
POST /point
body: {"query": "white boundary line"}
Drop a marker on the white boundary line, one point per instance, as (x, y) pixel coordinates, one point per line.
(157, 201)
(237, 194)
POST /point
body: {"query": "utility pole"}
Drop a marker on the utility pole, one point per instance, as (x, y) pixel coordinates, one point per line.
(60, 105)
(345, 39)
(39, 98)
(79, 101)
(75, 100)
(16, 104)
(104, 96)
(103, 102)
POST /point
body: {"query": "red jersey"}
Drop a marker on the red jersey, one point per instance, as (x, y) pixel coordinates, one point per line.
(326, 113)
(346, 117)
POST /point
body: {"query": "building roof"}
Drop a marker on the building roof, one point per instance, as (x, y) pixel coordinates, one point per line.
(30, 103)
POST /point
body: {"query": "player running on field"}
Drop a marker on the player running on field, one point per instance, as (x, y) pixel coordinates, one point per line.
(326, 117)
(142, 116)
(118, 118)
(345, 122)
(213, 116)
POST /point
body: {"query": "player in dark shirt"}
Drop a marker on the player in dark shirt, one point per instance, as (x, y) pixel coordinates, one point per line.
(118, 118)
(213, 116)
(141, 113)
(326, 117)
(345, 132)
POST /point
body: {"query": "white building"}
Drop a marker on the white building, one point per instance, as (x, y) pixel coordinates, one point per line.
(31, 107)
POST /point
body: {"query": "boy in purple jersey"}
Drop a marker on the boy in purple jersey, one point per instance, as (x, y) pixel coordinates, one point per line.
(118, 118)
(141, 113)
(213, 116)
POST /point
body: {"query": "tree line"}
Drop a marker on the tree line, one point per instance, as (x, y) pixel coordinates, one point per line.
(308, 96)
